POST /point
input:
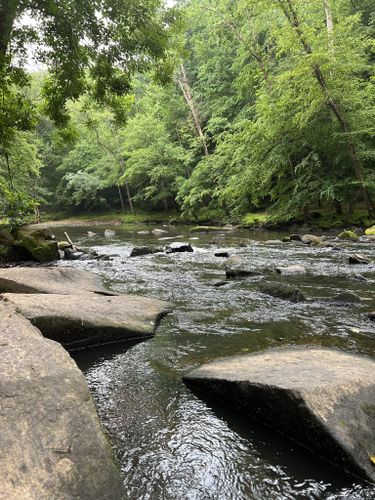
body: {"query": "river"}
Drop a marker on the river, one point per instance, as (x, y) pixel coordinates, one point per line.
(172, 445)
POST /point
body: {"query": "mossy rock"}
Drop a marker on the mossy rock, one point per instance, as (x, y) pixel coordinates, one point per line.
(370, 231)
(38, 249)
(348, 235)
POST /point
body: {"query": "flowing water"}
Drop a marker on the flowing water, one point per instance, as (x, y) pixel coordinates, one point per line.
(173, 445)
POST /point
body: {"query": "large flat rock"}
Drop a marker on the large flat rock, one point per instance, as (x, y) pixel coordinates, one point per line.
(322, 398)
(61, 280)
(89, 319)
(51, 443)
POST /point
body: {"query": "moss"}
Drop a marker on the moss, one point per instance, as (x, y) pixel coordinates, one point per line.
(370, 231)
(39, 249)
(348, 235)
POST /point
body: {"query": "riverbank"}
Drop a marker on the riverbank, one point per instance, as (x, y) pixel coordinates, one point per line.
(320, 219)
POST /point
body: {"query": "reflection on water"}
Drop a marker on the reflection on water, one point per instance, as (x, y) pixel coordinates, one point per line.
(172, 444)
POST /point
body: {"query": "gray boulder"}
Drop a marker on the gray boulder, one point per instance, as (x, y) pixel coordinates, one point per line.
(296, 269)
(52, 445)
(320, 398)
(90, 319)
(311, 239)
(138, 251)
(237, 266)
(179, 247)
(347, 298)
(61, 280)
(282, 291)
(295, 237)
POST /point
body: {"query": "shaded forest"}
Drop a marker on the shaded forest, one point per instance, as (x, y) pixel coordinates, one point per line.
(210, 109)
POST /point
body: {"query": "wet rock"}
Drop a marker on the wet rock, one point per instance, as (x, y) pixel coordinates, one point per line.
(358, 258)
(320, 398)
(282, 291)
(179, 247)
(138, 251)
(272, 242)
(348, 298)
(143, 232)
(237, 266)
(91, 234)
(71, 254)
(296, 269)
(159, 231)
(52, 443)
(311, 239)
(61, 254)
(108, 233)
(90, 319)
(61, 280)
(286, 239)
(348, 235)
(360, 277)
(371, 316)
(221, 254)
(295, 237)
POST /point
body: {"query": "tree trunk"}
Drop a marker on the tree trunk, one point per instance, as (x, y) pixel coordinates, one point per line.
(129, 197)
(329, 17)
(121, 199)
(185, 87)
(8, 11)
(291, 15)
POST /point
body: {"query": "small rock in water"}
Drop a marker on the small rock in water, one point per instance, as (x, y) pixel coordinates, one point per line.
(295, 237)
(138, 251)
(71, 254)
(194, 238)
(221, 254)
(91, 234)
(358, 258)
(291, 270)
(286, 239)
(220, 283)
(236, 266)
(179, 247)
(311, 239)
(61, 254)
(108, 233)
(272, 242)
(159, 231)
(282, 291)
(371, 316)
(143, 232)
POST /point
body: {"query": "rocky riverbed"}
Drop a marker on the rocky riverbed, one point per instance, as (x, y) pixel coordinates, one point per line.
(172, 444)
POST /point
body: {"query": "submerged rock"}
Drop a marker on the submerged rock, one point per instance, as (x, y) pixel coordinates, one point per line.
(138, 251)
(371, 316)
(61, 280)
(282, 291)
(237, 266)
(179, 247)
(320, 398)
(358, 258)
(52, 444)
(296, 269)
(347, 297)
(90, 319)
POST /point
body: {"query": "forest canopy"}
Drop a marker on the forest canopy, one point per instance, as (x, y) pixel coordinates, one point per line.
(212, 108)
